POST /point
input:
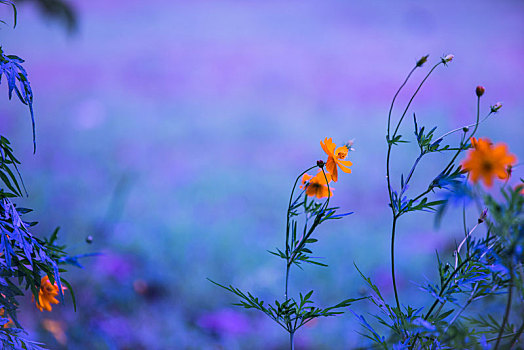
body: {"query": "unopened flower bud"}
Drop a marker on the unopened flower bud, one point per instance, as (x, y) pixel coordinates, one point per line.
(480, 90)
(349, 145)
(89, 239)
(465, 129)
(483, 216)
(495, 108)
(422, 60)
(320, 163)
(447, 58)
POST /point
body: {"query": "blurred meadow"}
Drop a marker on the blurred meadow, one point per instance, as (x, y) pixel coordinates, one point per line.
(171, 133)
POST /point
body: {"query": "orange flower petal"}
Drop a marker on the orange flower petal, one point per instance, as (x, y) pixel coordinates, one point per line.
(485, 161)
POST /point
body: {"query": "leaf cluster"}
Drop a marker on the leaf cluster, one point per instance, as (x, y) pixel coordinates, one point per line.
(313, 213)
(16, 76)
(289, 314)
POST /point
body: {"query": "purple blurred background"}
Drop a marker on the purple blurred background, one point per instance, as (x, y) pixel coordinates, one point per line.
(171, 132)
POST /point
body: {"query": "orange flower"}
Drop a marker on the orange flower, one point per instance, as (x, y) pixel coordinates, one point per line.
(336, 157)
(47, 294)
(2, 314)
(486, 161)
(316, 186)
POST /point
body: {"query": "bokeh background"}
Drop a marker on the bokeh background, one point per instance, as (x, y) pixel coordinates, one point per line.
(171, 132)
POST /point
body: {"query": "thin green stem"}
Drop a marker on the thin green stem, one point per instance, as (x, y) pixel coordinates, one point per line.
(291, 340)
(289, 207)
(390, 192)
(507, 311)
(413, 97)
(457, 252)
(396, 94)
(445, 285)
(468, 302)
(288, 251)
(388, 137)
(329, 190)
(393, 231)
(388, 157)
(405, 187)
(464, 142)
(316, 222)
(437, 301)
(287, 280)
(514, 340)
(465, 126)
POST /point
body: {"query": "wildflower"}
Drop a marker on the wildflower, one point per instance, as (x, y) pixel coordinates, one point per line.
(447, 58)
(480, 90)
(47, 294)
(9, 321)
(336, 157)
(317, 186)
(485, 161)
(495, 108)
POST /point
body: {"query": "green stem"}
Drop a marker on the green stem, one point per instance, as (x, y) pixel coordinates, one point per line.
(517, 336)
(388, 135)
(393, 231)
(291, 340)
(395, 217)
(405, 187)
(506, 312)
(289, 207)
(443, 288)
(413, 97)
(465, 141)
(287, 280)
(468, 302)
(396, 94)
(316, 222)
(465, 126)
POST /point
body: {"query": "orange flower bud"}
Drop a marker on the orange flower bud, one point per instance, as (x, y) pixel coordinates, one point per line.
(480, 90)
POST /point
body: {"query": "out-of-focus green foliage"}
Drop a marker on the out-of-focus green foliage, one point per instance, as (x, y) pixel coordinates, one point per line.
(24, 258)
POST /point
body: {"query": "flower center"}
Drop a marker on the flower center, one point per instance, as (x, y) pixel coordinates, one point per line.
(342, 154)
(487, 166)
(315, 186)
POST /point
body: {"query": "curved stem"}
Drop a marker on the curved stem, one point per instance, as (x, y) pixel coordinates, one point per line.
(465, 126)
(390, 192)
(465, 141)
(393, 229)
(289, 206)
(457, 252)
(388, 135)
(396, 94)
(413, 97)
